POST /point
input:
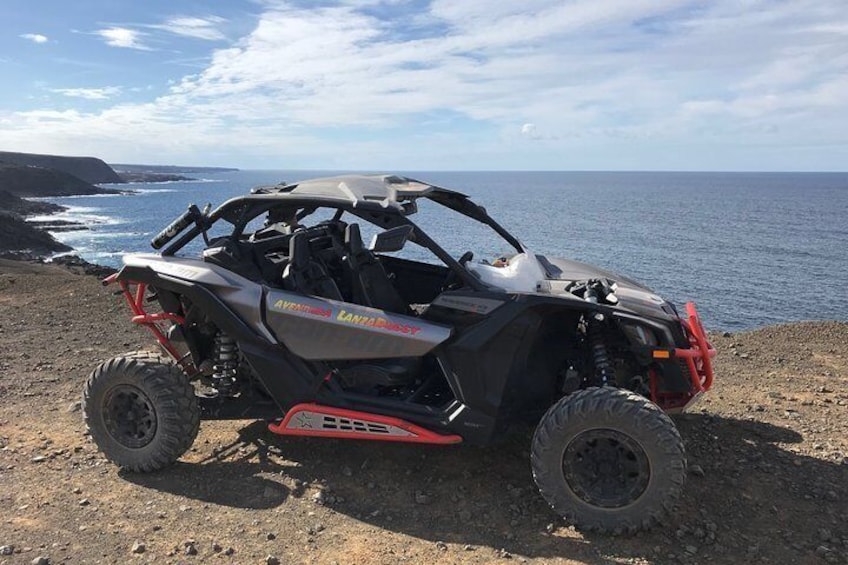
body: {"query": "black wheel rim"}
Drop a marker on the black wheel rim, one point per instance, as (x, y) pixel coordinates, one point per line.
(606, 468)
(129, 416)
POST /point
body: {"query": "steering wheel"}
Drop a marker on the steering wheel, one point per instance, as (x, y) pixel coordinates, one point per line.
(452, 279)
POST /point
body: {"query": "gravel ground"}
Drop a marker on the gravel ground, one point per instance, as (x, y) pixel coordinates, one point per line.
(768, 454)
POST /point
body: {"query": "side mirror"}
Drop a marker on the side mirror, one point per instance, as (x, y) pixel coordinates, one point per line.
(409, 207)
(390, 240)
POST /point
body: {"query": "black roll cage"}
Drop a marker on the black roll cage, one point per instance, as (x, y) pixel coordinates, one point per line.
(242, 210)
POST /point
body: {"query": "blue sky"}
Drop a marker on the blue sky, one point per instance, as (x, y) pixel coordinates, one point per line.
(444, 84)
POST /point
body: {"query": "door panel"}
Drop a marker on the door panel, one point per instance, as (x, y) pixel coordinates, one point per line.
(321, 329)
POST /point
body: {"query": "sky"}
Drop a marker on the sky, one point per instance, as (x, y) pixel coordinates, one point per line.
(724, 85)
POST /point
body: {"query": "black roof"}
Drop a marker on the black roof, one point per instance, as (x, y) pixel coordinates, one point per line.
(383, 189)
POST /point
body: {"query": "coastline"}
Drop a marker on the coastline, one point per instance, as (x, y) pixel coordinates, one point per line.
(17, 221)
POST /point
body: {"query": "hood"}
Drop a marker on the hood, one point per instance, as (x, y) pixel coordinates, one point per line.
(632, 295)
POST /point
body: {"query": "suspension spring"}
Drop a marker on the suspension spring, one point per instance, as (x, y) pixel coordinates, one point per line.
(225, 364)
(600, 355)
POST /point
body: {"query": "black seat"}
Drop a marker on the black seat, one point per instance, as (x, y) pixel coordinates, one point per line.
(304, 273)
(371, 286)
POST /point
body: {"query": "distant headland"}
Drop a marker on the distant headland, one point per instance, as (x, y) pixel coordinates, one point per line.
(30, 175)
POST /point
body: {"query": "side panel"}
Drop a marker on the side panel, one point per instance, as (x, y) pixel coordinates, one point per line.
(243, 296)
(320, 329)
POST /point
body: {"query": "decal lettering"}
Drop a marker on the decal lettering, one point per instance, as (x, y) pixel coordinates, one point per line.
(305, 308)
(377, 322)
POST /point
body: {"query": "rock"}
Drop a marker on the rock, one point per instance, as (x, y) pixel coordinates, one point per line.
(442, 546)
(7, 549)
(468, 547)
(691, 549)
(190, 547)
(270, 536)
(77, 491)
(319, 497)
(347, 471)
(138, 547)
(38, 459)
(216, 547)
(726, 334)
(41, 560)
(271, 560)
(84, 502)
(422, 498)
(696, 470)
(229, 551)
(504, 554)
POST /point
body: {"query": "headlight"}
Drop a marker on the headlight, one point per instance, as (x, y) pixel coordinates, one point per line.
(640, 335)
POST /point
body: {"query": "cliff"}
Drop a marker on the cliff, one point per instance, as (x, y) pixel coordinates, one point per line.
(89, 169)
(23, 180)
(18, 236)
(11, 203)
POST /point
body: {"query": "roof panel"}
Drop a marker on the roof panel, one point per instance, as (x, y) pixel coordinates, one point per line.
(387, 189)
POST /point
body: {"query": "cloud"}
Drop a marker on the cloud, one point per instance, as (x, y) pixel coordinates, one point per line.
(194, 27)
(89, 93)
(123, 37)
(641, 79)
(35, 37)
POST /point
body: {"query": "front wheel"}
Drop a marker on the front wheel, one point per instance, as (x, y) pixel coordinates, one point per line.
(608, 460)
(141, 411)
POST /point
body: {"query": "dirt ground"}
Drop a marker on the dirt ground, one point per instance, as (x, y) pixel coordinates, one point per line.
(768, 454)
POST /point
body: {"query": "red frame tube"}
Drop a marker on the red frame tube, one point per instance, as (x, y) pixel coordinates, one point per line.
(135, 300)
(699, 356)
(698, 360)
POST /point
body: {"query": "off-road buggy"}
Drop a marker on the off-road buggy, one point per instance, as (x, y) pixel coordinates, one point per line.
(302, 324)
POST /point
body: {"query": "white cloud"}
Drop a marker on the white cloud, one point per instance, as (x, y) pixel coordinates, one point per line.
(630, 78)
(89, 93)
(529, 131)
(123, 37)
(35, 37)
(198, 28)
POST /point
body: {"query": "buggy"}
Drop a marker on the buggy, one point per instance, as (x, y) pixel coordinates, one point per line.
(282, 313)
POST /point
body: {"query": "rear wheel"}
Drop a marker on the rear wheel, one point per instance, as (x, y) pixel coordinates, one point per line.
(141, 411)
(608, 460)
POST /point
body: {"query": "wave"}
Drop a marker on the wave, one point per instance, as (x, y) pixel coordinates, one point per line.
(85, 215)
(154, 190)
(74, 196)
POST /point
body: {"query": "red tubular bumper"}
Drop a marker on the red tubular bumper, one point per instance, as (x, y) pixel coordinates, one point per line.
(135, 300)
(698, 357)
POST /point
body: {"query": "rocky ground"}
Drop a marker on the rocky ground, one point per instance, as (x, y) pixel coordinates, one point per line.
(767, 449)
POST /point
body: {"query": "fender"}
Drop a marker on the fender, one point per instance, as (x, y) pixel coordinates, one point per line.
(288, 379)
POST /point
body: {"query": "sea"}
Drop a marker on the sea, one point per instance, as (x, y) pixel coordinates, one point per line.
(751, 249)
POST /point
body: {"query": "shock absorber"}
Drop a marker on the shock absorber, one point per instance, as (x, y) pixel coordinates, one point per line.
(225, 364)
(600, 356)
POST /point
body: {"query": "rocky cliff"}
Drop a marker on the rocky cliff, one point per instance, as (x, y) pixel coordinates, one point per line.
(89, 169)
(23, 180)
(19, 237)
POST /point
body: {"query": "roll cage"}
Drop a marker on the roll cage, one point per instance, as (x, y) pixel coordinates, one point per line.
(384, 214)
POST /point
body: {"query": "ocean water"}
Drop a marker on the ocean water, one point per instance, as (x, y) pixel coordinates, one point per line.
(751, 249)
